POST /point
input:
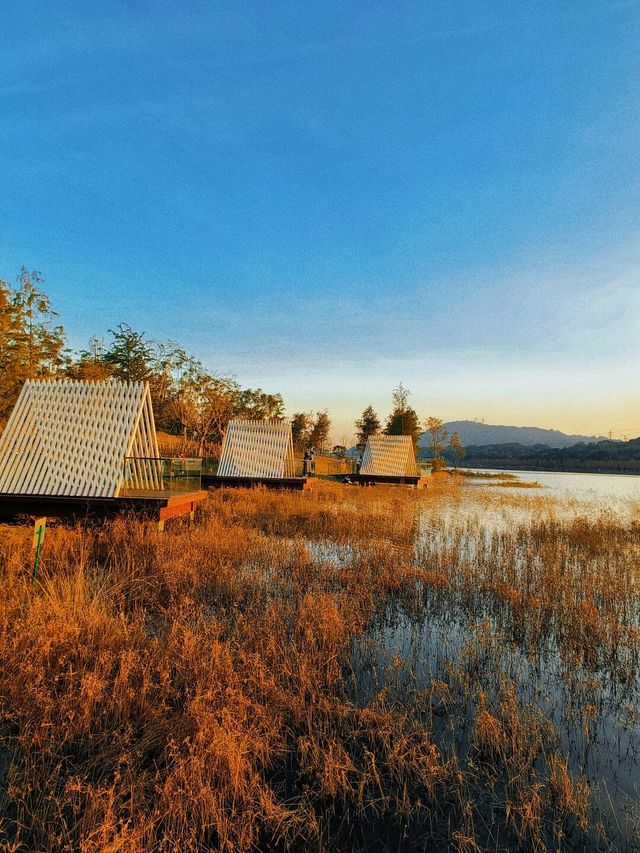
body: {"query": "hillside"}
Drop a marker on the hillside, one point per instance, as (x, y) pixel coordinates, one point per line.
(603, 456)
(474, 433)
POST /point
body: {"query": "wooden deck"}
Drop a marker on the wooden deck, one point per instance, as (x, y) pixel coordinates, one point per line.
(159, 506)
(215, 481)
(379, 479)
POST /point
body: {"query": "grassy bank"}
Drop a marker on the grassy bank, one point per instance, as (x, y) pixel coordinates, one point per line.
(341, 669)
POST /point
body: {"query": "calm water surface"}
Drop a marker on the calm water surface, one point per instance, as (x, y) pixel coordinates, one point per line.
(567, 485)
(430, 640)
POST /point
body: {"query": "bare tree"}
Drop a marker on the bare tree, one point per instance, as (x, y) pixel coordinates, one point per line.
(439, 435)
(457, 448)
(400, 397)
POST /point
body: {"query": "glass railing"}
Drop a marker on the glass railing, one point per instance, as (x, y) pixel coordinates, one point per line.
(161, 475)
(321, 465)
(210, 465)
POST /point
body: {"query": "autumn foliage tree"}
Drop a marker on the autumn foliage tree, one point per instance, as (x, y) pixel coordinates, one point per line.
(300, 422)
(31, 340)
(310, 430)
(456, 448)
(187, 398)
(319, 434)
(131, 356)
(89, 364)
(204, 404)
(256, 404)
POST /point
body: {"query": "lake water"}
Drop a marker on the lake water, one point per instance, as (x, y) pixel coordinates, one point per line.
(426, 639)
(569, 485)
(434, 640)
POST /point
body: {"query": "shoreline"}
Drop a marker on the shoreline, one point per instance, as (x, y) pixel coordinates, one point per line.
(549, 470)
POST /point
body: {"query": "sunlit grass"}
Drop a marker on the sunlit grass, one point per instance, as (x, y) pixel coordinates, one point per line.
(325, 670)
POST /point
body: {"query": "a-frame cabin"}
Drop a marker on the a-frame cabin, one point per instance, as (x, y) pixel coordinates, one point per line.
(73, 446)
(257, 452)
(389, 459)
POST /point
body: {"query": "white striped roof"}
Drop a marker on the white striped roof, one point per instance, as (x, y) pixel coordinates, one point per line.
(389, 456)
(71, 437)
(261, 449)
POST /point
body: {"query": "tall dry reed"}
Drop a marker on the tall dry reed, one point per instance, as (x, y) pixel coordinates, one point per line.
(230, 686)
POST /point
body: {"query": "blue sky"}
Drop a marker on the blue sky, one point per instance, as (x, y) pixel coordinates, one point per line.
(325, 199)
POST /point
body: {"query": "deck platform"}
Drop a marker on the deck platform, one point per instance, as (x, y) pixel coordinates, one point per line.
(216, 481)
(158, 505)
(386, 480)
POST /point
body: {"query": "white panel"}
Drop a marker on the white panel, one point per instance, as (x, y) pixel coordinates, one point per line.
(389, 456)
(69, 437)
(260, 449)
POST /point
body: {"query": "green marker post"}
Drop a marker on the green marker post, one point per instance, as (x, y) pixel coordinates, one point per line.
(39, 529)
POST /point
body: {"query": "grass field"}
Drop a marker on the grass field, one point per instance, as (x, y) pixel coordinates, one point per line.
(340, 669)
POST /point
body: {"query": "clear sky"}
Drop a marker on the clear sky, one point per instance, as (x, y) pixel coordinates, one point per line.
(327, 198)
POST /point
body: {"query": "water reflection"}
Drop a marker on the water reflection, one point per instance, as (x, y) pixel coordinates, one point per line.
(572, 485)
(466, 640)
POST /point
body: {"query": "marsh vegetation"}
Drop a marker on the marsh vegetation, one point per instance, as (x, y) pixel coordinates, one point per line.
(341, 669)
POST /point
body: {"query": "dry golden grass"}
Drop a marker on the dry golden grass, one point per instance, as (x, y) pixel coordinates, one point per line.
(225, 686)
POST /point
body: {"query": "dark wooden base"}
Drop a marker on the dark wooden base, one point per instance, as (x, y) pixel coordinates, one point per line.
(377, 479)
(214, 481)
(158, 508)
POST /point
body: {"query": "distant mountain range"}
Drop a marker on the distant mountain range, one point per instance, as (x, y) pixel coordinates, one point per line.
(473, 432)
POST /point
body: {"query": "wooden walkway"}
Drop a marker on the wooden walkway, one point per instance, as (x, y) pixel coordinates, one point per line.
(159, 507)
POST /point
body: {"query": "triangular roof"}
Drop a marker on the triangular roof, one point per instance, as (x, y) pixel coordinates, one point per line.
(68, 437)
(389, 456)
(260, 449)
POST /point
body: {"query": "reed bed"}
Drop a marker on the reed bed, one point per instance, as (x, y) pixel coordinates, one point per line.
(342, 669)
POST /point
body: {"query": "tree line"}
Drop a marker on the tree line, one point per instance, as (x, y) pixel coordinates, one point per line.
(608, 455)
(403, 420)
(188, 398)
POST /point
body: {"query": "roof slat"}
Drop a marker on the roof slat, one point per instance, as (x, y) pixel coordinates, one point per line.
(70, 437)
(260, 449)
(389, 456)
